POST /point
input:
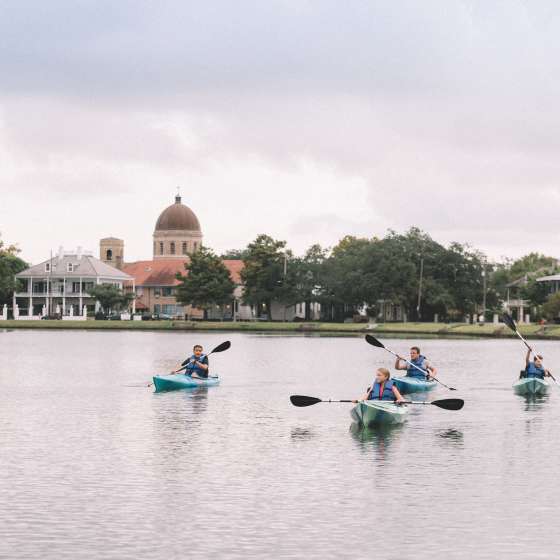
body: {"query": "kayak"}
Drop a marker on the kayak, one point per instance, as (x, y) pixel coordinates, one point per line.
(378, 413)
(182, 381)
(531, 386)
(414, 385)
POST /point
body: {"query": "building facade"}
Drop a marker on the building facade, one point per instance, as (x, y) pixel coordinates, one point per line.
(60, 285)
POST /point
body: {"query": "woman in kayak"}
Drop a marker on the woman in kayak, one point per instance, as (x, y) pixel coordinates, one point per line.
(383, 388)
(419, 361)
(535, 367)
(197, 365)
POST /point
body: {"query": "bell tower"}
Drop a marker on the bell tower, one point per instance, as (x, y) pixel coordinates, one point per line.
(111, 251)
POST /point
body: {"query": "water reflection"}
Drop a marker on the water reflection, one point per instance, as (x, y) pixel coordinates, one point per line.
(302, 434)
(452, 435)
(378, 438)
(534, 402)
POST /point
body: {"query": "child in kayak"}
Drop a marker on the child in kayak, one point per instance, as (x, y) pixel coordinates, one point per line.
(419, 361)
(383, 388)
(197, 365)
(535, 367)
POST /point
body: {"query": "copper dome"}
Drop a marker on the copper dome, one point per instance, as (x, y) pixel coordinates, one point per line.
(177, 217)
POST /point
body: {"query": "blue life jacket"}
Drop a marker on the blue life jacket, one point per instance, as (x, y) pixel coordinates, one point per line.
(413, 372)
(533, 371)
(192, 368)
(387, 394)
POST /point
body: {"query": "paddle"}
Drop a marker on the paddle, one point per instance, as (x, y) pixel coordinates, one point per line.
(447, 404)
(220, 348)
(509, 321)
(378, 344)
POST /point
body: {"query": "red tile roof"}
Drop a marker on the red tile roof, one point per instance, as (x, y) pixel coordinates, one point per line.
(163, 272)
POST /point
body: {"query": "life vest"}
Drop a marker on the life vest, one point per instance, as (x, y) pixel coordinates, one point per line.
(193, 369)
(533, 371)
(413, 372)
(386, 395)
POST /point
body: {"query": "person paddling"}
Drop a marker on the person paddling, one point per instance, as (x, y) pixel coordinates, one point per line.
(382, 389)
(534, 368)
(197, 365)
(419, 361)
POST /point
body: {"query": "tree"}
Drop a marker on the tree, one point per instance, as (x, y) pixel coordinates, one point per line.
(10, 265)
(111, 297)
(207, 283)
(551, 308)
(263, 273)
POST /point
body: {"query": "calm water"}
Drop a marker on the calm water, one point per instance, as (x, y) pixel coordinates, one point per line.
(91, 468)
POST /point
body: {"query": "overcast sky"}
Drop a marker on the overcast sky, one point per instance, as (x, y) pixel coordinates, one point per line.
(307, 120)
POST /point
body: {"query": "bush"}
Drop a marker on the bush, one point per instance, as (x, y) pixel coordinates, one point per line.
(551, 308)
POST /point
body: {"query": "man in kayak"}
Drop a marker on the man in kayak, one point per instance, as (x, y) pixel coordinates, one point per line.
(420, 363)
(383, 388)
(197, 365)
(535, 368)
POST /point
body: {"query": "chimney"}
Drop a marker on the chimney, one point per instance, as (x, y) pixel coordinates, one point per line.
(79, 252)
(60, 253)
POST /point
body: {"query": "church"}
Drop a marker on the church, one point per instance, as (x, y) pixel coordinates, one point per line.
(177, 234)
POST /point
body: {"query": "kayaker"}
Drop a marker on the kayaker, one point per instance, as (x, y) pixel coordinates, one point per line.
(419, 361)
(383, 388)
(535, 368)
(197, 365)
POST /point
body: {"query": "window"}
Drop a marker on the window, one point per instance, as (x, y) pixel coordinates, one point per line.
(184, 248)
(70, 267)
(157, 308)
(157, 292)
(167, 292)
(109, 255)
(161, 247)
(172, 247)
(47, 267)
(195, 246)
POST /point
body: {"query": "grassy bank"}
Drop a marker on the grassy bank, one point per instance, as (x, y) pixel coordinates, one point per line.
(551, 332)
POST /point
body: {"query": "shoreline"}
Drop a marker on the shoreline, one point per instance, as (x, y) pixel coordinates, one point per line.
(547, 332)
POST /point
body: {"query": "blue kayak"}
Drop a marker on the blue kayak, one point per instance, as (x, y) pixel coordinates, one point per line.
(182, 381)
(414, 385)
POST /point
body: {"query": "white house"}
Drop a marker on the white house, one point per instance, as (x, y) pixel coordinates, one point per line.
(60, 285)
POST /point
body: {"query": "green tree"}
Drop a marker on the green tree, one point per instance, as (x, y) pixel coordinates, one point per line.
(263, 274)
(533, 262)
(10, 265)
(551, 308)
(207, 283)
(111, 297)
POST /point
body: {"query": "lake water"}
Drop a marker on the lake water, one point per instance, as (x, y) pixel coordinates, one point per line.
(93, 469)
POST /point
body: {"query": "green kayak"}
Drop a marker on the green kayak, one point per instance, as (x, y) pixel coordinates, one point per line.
(182, 381)
(378, 413)
(531, 386)
(408, 385)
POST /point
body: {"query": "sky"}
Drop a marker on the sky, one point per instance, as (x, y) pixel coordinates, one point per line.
(306, 120)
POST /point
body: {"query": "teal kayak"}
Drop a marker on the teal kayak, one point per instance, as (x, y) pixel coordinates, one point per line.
(378, 413)
(531, 386)
(182, 381)
(414, 385)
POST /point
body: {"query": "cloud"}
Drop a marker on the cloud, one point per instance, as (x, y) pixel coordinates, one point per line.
(307, 120)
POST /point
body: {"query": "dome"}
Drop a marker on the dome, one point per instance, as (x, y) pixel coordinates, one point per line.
(177, 217)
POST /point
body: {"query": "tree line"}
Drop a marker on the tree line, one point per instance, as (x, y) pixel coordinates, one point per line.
(357, 275)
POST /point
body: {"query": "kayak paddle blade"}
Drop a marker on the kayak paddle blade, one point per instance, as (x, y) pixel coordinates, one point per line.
(301, 400)
(222, 347)
(508, 320)
(373, 341)
(449, 404)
